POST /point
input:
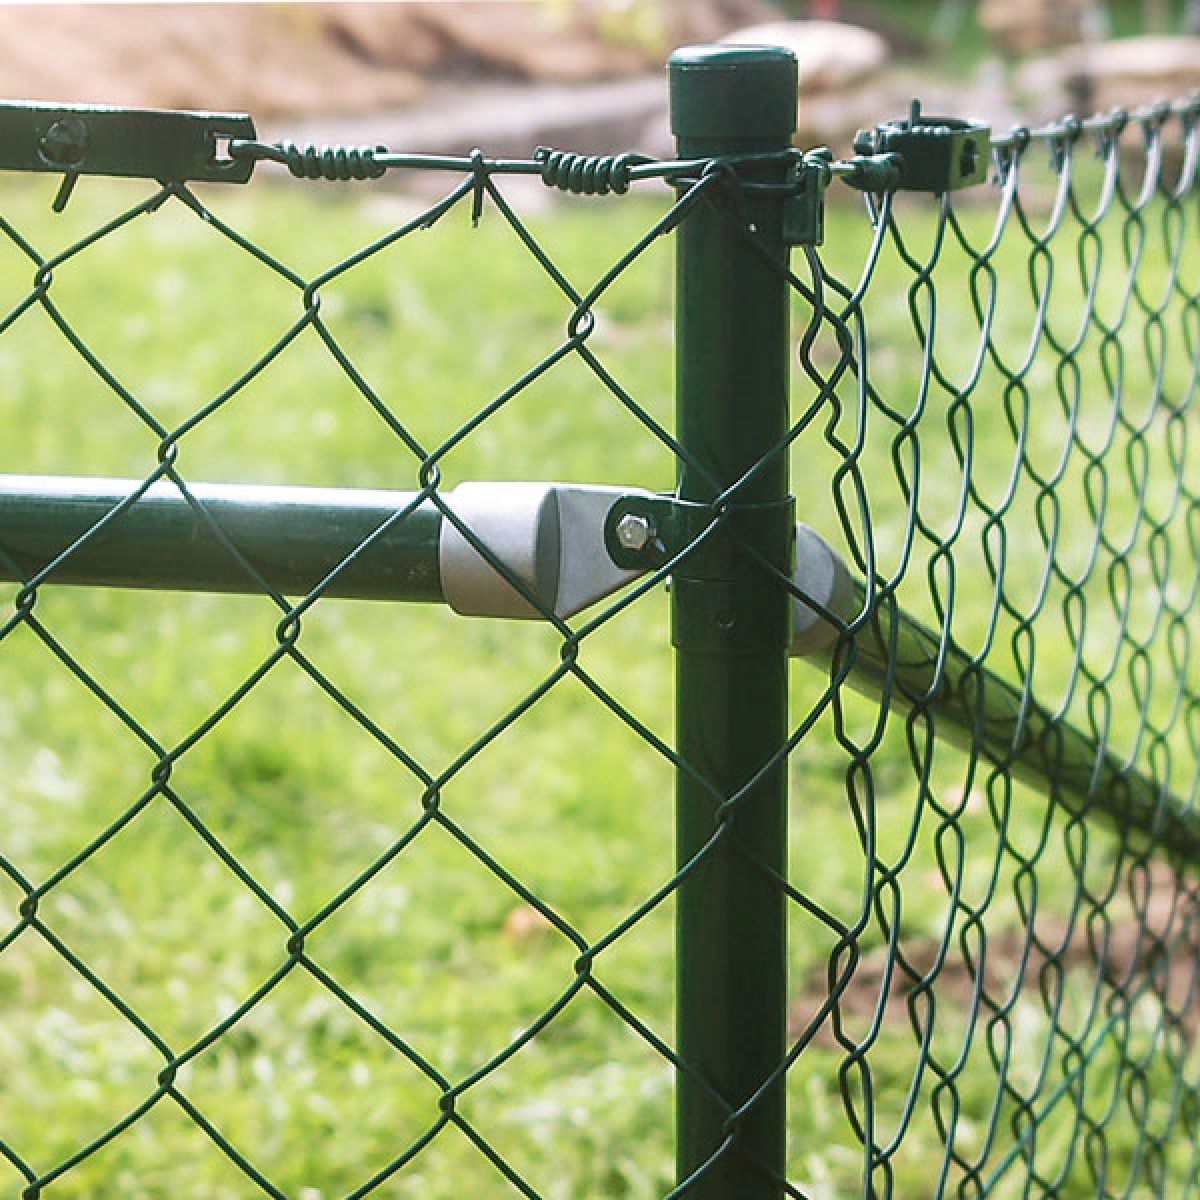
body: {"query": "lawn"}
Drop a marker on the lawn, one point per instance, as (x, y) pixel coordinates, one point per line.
(405, 729)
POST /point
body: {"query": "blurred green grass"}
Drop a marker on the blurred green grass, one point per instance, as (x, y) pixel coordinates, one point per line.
(569, 799)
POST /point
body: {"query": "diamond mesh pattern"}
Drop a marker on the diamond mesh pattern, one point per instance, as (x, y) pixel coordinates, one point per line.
(310, 897)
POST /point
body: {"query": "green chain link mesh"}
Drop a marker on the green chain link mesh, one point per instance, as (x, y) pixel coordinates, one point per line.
(313, 898)
(1003, 394)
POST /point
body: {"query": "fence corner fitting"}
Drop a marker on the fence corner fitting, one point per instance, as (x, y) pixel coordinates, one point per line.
(730, 625)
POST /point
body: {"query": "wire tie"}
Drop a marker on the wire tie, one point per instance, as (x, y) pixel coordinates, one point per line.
(478, 190)
(69, 180)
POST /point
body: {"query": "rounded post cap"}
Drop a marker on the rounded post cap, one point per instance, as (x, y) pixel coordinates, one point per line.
(736, 92)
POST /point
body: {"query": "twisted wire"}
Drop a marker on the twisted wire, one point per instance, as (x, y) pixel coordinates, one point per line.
(587, 175)
(332, 162)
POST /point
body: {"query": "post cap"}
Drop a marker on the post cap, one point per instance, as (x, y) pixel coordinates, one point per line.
(733, 92)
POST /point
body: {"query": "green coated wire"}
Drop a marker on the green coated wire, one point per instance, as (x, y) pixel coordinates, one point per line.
(1006, 1002)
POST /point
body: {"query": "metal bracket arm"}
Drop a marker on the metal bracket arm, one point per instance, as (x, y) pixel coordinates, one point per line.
(549, 536)
(645, 532)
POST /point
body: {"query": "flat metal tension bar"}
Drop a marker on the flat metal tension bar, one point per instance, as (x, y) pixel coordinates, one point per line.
(74, 140)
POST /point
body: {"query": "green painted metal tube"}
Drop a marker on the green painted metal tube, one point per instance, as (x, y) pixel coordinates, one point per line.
(897, 660)
(894, 659)
(294, 537)
(730, 629)
(975, 709)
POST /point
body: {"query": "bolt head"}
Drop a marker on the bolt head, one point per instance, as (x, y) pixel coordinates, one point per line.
(634, 531)
(65, 143)
(864, 142)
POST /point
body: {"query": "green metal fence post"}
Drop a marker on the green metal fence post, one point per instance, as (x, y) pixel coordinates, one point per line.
(730, 629)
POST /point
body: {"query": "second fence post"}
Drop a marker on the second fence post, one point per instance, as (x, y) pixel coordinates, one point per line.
(730, 624)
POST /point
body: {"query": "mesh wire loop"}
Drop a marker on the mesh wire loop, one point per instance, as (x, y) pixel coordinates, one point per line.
(307, 896)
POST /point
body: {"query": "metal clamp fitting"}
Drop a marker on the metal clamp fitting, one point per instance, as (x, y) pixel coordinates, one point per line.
(548, 536)
(804, 209)
(933, 154)
(822, 575)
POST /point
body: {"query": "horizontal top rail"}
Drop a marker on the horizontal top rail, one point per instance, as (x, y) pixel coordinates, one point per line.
(522, 550)
(532, 550)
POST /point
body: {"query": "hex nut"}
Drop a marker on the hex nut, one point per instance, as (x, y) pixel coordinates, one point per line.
(634, 531)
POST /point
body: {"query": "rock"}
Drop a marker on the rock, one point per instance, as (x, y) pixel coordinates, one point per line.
(1123, 73)
(832, 118)
(583, 40)
(524, 925)
(506, 119)
(831, 55)
(691, 22)
(256, 58)
(530, 41)
(330, 57)
(387, 34)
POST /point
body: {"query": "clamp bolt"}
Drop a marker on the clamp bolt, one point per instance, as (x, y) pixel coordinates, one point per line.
(634, 532)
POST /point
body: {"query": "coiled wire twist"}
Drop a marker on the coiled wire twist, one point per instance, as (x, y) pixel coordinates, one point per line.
(332, 162)
(587, 174)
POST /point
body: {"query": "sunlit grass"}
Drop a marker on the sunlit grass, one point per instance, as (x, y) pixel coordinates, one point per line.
(568, 804)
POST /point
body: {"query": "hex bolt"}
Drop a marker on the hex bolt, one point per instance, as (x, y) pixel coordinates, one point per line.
(634, 531)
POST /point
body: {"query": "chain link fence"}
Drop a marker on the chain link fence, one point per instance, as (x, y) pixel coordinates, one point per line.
(309, 896)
